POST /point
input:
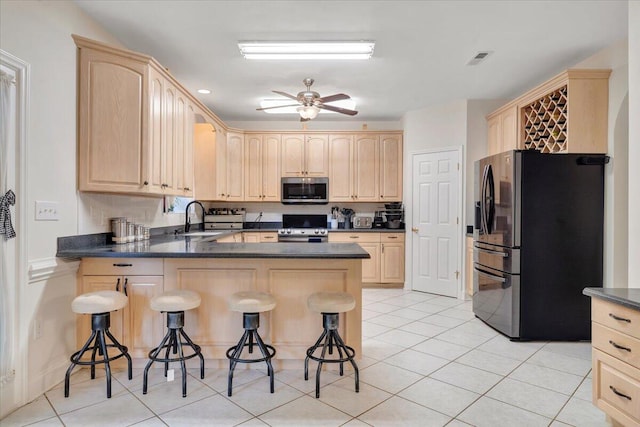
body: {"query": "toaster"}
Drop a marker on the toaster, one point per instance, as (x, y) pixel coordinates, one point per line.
(362, 221)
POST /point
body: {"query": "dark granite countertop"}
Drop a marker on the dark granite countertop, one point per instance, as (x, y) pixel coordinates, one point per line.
(628, 297)
(182, 246)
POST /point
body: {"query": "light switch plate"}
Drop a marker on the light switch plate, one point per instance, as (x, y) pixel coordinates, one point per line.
(47, 211)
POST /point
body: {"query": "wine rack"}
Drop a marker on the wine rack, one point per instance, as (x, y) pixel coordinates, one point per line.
(544, 123)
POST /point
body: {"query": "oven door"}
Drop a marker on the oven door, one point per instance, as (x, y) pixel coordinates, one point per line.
(497, 299)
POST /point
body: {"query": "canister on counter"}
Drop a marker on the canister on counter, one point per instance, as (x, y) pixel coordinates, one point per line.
(119, 230)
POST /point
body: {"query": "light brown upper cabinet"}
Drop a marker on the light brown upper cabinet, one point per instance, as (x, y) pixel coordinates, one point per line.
(566, 114)
(503, 129)
(230, 168)
(219, 167)
(262, 168)
(390, 167)
(133, 124)
(365, 167)
(171, 135)
(305, 155)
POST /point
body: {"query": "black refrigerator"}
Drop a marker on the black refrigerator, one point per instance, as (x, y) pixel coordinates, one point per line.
(538, 241)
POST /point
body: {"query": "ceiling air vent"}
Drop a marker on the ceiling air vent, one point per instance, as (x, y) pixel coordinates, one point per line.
(479, 57)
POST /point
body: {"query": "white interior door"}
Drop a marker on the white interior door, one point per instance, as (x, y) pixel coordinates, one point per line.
(435, 229)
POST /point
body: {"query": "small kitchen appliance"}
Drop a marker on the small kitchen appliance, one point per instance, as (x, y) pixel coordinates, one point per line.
(362, 221)
(224, 219)
(304, 190)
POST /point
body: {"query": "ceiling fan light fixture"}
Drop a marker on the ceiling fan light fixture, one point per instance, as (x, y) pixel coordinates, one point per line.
(308, 111)
(307, 50)
(349, 104)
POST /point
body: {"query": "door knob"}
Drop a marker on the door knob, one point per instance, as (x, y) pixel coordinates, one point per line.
(414, 229)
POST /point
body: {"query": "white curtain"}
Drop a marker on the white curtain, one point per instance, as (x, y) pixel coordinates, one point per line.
(6, 311)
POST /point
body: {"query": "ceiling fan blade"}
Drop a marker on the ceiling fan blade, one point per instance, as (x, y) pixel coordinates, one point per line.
(337, 109)
(336, 97)
(285, 94)
(277, 106)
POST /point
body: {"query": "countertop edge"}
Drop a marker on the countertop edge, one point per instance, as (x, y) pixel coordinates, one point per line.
(609, 294)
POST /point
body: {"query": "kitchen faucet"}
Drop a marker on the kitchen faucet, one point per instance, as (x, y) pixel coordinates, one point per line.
(187, 222)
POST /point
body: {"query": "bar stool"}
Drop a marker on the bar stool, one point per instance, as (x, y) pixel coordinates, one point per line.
(174, 303)
(99, 305)
(330, 304)
(250, 304)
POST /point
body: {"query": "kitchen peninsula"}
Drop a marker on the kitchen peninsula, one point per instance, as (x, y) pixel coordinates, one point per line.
(289, 271)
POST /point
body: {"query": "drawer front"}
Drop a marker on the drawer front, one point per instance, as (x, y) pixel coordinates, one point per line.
(618, 345)
(616, 388)
(269, 237)
(122, 266)
(354, 237)
(615, 316)
(391, 237)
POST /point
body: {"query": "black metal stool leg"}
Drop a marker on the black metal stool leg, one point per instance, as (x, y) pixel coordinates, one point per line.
(74, 359)
(331, 339)
(172, 343)
(195, 348)
(250, 337)
(152, 358)
(97, 343)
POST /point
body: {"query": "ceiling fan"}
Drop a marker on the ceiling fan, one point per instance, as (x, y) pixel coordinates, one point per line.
(310, 102)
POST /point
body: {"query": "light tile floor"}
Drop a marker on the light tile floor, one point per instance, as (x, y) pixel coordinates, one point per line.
(427, 361)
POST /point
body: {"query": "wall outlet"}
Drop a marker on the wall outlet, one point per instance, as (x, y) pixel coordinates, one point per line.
(47, 211)
(170, 375)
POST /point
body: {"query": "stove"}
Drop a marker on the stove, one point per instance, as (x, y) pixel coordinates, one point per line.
(303, 228)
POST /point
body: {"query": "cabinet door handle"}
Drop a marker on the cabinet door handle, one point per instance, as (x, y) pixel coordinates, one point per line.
(268, 237)
(613, 389)
(382, 247)
(146, 183)
(118, 285)
(123, 265)
(619, 347)
(392, 237)
(187, 189)
(354, 237)
(126, 279)
(621, 319)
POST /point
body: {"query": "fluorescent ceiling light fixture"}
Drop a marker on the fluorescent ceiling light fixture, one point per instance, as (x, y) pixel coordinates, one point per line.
(307, 50)
(345, 103)
(204, 91)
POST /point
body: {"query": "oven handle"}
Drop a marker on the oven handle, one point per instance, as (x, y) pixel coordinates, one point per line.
(488, 251)
(489, 275)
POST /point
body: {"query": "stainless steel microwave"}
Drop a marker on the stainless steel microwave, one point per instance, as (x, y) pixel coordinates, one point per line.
(298, 191)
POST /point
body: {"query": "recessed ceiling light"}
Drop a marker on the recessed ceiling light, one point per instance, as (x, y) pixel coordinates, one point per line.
(307, 50)
(345, 103)
(204, 91)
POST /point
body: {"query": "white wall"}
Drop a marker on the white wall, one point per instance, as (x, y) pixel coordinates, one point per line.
(39, 33)
(616, 231)
(634, 146)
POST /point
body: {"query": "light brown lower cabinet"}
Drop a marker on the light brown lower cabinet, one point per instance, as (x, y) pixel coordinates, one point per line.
(616, 361)
(136, 325)
(291, 327)
(233, 238)
(386, 264)
(260, 236)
